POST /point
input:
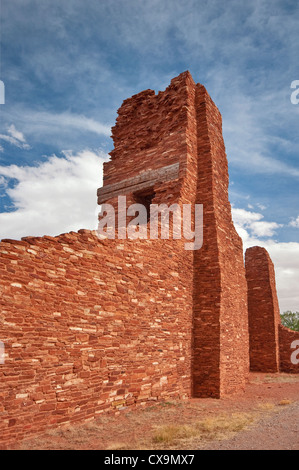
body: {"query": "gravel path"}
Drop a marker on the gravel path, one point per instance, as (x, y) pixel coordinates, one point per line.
(277, 431)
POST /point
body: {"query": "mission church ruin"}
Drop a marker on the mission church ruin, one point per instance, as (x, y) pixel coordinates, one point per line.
(92, 325)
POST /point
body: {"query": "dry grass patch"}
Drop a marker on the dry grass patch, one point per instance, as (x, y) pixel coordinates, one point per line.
(222, 427)
(66, 437)
(118, 446)
(213, 428)
(285, 402)
(282, 378)
(169, 433)
(266, 406)
(274, 378)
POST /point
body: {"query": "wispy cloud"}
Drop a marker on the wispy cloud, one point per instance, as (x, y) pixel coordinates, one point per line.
(57, 130)
(45, 122)
(42, 123)
(3, 182)
(247, 69)
(295, 222)
(253, 223)
(14, 137)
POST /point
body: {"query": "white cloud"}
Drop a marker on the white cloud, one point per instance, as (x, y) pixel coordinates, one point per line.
(294, 222)
(58, 195)
(252, 222)
(14, 137)
(264, 229)
(16, 134)
(261, 207)
(2, 181)
(244, 217)
(285, 257)
(74, 121)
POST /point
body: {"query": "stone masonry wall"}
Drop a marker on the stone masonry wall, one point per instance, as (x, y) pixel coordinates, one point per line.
(270, 342)
(183, 125)
(221, 349)
(263, 311)
(90, 326)
(95, 325)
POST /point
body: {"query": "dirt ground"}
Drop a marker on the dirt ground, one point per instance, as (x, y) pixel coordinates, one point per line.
(265, 417)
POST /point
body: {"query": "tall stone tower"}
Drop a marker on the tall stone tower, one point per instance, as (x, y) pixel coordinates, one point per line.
(168, 148)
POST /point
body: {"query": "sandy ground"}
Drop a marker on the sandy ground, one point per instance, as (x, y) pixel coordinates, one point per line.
(265, 417)
(277, 432)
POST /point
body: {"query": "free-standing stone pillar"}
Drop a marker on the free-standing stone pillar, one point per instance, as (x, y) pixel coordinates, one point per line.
(263, 311)
(220, 333)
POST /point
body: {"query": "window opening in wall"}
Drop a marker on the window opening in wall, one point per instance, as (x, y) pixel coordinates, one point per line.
(145, 198)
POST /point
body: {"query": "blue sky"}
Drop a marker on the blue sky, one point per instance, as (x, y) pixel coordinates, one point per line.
(68, 65)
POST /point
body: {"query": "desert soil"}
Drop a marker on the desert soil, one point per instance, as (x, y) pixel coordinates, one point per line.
(276, 432)
(264, 417)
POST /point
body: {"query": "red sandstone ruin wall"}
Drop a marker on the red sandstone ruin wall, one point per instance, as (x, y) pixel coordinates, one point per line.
(182, 125)
(270, 342)
(150, 131)
(89, 326)
(221, 346)
(263, 311)
(101, 324)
